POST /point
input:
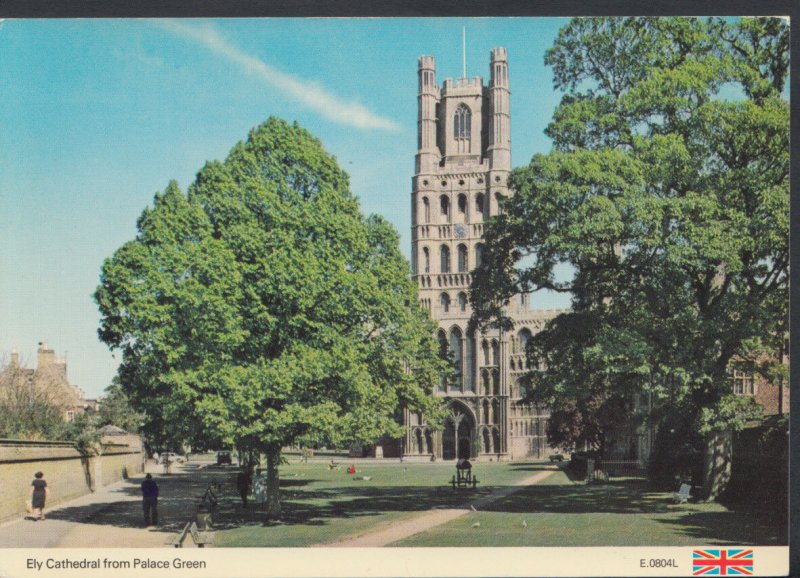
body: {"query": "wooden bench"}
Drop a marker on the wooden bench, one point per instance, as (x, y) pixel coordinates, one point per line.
(178, 540)
(198, 537)
(682, 495)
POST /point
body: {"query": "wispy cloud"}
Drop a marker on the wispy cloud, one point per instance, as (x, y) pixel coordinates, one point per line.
(309, 93)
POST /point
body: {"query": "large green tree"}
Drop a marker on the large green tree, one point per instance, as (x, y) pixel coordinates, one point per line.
(667, 194)
(262, 308)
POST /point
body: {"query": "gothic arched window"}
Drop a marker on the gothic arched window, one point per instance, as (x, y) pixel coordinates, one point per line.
(444, 301)
(461, 123)
(500, 200)
(426, 260)
(444, 258)
(478, 254)
(426, 210)
(455, 352)
(479, 203)
(442, 339)
(462, 259)
(469, 375)
(462, 204)
(462, 301)
(524, 336)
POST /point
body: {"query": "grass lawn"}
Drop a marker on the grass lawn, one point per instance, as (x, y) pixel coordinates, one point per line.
(623, 513)
(322, 505)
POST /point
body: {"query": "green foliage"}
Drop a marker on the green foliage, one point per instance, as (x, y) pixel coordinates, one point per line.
(262, 308)
(116, 409)
(667, 192)
(28, 412)
(82, 431)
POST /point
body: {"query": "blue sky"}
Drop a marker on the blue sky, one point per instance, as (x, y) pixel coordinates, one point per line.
(98, 115)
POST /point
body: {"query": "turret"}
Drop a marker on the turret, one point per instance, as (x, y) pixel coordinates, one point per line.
(500, 134)
(428, 154)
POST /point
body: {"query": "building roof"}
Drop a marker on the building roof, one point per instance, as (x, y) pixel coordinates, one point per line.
(112, 430)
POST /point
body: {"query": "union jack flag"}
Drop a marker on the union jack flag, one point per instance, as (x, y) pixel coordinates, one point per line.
(722, 562)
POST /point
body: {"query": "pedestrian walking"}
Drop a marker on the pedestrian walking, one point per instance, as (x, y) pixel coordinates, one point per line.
(243, 481)
(40, 492)
(150, 500)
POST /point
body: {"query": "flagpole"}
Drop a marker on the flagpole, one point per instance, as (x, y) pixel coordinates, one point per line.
(464, 49)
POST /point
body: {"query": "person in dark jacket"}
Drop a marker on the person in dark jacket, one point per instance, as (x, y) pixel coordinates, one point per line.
(243, 481)
(150, 500)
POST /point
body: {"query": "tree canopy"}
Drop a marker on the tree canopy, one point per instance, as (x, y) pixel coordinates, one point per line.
(262, 307)
(115, 409)
(667, 193)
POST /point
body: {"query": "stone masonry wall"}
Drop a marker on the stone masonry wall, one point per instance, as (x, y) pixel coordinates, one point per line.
(68, 474)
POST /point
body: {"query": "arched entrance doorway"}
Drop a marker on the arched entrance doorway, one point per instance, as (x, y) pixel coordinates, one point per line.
(458, 434)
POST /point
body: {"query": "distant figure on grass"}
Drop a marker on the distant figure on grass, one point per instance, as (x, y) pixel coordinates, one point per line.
(243, 481)
(40, 492)
(150, 500)
(351, 470)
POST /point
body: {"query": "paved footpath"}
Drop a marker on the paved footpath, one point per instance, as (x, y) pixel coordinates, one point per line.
(394, 531)
(112, 516)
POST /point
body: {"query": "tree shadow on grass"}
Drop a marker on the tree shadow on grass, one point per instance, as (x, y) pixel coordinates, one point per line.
(179, 495)
(320, 507)
(623, 497)
(725, 528)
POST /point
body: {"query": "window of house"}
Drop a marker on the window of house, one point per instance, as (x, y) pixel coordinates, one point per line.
(743, 383)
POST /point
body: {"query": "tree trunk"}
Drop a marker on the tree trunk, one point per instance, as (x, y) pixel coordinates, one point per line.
(717, 464)
(273, 484)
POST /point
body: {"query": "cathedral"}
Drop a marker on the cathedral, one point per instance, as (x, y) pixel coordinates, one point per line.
(462, 163)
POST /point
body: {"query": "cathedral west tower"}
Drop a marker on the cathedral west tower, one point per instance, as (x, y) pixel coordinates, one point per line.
(461, 169)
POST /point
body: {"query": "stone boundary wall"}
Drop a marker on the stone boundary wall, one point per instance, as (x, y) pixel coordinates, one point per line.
(69, 475)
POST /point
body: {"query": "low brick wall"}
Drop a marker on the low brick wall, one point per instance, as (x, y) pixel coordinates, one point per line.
(68, 474)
